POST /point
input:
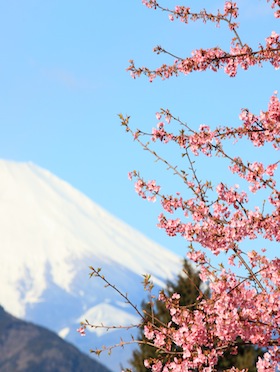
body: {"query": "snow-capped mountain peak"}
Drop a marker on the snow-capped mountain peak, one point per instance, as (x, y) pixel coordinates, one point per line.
(50, 233)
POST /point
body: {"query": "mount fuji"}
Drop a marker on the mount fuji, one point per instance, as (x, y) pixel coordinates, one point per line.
(50, 233)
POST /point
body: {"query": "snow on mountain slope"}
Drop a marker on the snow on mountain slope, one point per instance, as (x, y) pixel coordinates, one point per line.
(50, 234)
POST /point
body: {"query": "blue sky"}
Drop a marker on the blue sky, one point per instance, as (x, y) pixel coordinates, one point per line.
(63, 83)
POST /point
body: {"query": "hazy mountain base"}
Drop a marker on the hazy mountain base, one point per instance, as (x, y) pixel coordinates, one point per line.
(26, 347)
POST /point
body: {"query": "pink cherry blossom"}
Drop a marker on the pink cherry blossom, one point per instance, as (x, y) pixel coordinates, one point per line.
(82, 330)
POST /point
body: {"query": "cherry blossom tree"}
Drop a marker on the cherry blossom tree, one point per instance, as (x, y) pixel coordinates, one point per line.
(218, 218)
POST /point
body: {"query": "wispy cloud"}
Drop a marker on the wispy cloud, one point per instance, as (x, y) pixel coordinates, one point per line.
(66, 78)
(62, 76)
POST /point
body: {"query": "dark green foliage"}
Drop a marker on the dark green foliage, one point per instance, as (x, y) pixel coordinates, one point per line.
(246, 357)
(188, 285)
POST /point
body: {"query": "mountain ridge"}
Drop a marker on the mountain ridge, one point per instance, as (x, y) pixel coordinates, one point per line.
(26, 347)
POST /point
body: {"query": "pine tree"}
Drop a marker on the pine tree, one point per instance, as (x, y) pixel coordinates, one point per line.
(188, 284)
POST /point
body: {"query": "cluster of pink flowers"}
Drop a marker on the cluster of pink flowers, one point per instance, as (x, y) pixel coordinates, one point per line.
(239, 54)
(161, 134)
(215, 59)
(230, 8)
(259, 129)
(82, 330)
(150, 3)
(235, 309)
(254, 173)
(147, 190)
